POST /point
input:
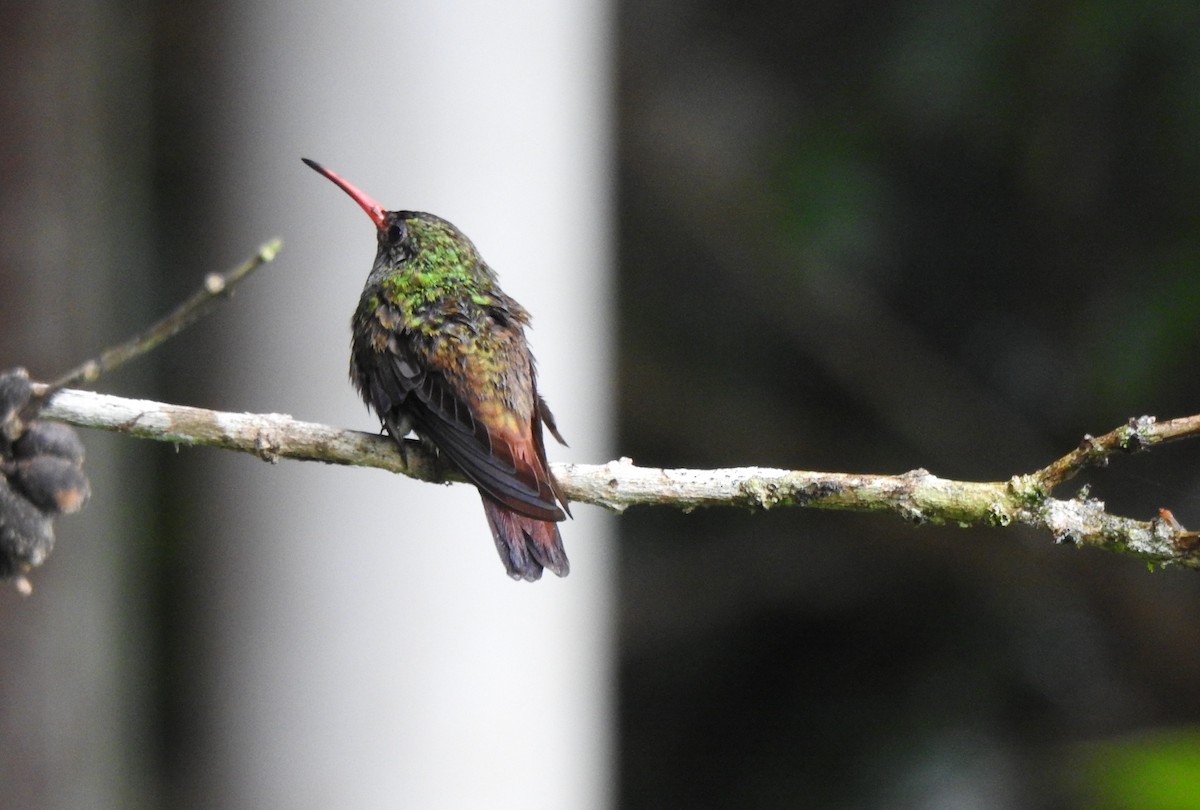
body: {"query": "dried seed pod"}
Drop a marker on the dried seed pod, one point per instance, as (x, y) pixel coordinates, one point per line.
(26, 533)
(49, 439)
(54, 485)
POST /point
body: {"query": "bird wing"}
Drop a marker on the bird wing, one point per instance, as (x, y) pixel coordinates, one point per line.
(496, 443)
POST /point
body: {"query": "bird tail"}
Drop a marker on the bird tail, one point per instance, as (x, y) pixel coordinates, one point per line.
(526, 545)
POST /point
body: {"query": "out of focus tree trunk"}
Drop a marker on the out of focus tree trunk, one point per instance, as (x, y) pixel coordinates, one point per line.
(74, 99)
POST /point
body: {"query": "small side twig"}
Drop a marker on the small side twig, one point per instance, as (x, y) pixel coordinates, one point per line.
(41, 472)
(216, 286)
(1139, 433)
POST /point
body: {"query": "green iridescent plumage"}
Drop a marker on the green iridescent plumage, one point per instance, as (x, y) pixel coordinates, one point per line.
(443, 299)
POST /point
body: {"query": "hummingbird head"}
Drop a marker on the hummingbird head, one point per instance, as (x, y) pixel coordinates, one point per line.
(403, 235)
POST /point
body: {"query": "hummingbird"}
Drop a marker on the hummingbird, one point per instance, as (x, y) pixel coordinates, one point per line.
(439, 349)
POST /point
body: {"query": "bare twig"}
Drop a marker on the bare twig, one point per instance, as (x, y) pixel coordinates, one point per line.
(216, 286)
(918, 496)
(1137, 434)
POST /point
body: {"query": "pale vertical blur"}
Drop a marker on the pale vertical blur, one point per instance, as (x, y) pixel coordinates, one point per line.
(366, 648)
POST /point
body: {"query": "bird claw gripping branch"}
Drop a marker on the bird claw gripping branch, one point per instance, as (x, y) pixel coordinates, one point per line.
(41, 477)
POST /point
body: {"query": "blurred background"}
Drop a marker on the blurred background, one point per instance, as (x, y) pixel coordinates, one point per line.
(856, 237)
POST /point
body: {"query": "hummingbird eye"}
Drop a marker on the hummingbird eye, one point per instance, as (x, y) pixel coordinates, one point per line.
(395, 233)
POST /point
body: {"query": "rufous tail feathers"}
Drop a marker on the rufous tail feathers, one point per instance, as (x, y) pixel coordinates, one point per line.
(526, 545)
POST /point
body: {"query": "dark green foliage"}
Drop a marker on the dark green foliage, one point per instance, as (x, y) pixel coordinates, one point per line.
(872, 237)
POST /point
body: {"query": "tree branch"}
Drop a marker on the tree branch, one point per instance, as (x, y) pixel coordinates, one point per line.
(918, 496)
